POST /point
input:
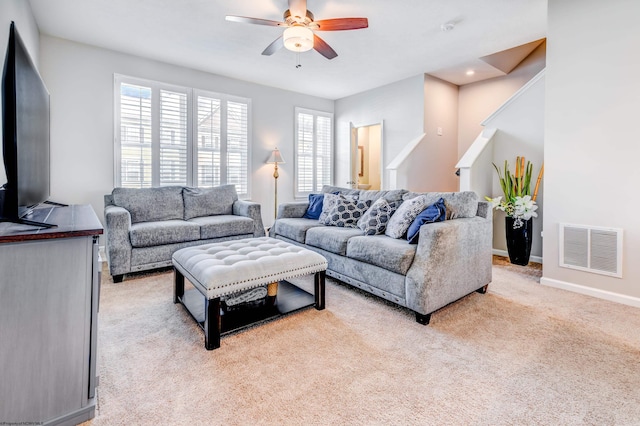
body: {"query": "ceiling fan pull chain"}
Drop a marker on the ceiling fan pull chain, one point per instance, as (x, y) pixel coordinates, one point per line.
(298, 64)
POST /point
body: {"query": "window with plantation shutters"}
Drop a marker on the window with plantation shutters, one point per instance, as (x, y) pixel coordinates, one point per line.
(313, 150)
(170, 135)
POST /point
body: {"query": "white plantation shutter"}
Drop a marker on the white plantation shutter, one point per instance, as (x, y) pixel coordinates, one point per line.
(135, 136)
(170, 135)
(173, 138)
(313, 153)
(237, 146)
(208, 141)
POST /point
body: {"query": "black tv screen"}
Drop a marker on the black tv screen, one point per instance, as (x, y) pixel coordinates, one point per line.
(25, 103)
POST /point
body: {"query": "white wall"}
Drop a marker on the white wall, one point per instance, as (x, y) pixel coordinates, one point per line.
(592, 145)
(478, 100)
(18, 11)
(80, 80)
(520, 133)
(400, 105)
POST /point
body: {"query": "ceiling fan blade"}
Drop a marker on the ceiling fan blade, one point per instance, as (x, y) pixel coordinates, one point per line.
(274, 47)
(298, 8)
(323, 48)
(341, 24)
(257, 21)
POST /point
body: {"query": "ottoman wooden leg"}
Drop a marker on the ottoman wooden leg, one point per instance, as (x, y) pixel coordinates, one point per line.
(178, 290)
(212, 323)
(319, 279)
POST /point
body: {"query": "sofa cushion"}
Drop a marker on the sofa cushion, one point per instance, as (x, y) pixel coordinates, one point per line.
(294, 228)
(331, 238)
(458, 204)
(147, 234)
(151, 204)
(436, 212)
(346, 212)
(404, 216)
(338, 190)
(199, 202)
(389, 253)
(390, 195)
(374, 221)
(223, 226)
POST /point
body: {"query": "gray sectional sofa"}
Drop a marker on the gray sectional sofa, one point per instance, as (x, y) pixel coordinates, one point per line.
(144, 227)
(451, 259)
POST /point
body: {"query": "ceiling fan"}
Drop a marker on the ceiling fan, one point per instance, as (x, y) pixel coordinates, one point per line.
(300, 25)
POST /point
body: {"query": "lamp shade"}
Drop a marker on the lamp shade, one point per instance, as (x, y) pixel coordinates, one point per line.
(298, 39)
(275, 157)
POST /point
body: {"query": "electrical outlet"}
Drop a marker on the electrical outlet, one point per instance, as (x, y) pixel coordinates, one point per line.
(439, 131)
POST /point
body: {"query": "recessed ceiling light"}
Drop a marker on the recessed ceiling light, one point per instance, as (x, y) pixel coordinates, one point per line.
(448, 26)
(470, 72)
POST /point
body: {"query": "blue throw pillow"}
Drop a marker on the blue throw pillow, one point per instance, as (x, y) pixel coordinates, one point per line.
(315, 206)
(436, 212)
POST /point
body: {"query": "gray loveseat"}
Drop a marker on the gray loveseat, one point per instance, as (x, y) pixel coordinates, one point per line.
(144, 227)
(451, 259)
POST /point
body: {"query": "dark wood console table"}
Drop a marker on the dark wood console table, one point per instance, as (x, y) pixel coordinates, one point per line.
(49, 294)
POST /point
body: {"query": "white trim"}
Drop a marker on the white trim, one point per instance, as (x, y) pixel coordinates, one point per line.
(515, 96)
(504, 253)
(590, 291)
(476, 148)
(406, 151)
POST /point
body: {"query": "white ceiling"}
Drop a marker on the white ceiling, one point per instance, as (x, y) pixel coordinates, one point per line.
(404, 38)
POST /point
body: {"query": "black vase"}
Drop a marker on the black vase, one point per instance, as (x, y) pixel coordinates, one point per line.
(519, 241)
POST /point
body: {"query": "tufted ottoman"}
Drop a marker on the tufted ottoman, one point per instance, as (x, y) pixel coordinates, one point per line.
(224, 269)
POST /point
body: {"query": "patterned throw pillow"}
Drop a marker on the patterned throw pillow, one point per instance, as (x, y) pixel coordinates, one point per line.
(345, 212)
(375, 220)
(329, 201)
(404, 217)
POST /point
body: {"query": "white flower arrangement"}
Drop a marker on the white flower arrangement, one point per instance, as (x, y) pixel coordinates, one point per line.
(519, 208)
(518, 202)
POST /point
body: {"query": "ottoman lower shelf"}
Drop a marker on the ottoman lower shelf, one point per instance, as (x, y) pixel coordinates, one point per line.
(290, 299)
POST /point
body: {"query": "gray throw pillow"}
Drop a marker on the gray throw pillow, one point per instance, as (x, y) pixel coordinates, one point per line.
(199, 202)
(405, 215)
(375, 220)
(346, 212)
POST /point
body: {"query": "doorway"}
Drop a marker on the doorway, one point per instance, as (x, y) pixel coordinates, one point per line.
(366, 157)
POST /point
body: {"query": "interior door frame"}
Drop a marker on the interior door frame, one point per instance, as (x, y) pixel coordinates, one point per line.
(353, 151)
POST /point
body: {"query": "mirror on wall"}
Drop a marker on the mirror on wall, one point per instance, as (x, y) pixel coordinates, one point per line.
(366, 157)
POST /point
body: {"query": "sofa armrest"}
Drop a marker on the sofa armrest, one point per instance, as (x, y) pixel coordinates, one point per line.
(292, 209)
(252, 211)
(484, 210)
(118, 247)
(453, 259)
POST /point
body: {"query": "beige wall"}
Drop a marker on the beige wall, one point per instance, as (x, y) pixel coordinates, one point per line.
(478, 100)
(431, 165)
(591, 136)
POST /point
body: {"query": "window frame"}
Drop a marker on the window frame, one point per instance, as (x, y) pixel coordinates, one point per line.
(298, 194)
(191, 130)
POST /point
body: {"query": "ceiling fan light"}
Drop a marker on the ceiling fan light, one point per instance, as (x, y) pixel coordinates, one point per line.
(298, 39)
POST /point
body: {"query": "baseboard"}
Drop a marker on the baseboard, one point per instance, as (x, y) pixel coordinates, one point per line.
(504, 253)
(590, 291)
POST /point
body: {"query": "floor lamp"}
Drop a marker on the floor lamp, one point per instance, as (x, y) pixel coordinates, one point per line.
(275, 159)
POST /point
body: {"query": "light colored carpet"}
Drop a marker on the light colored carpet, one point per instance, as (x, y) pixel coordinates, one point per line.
(522, 354)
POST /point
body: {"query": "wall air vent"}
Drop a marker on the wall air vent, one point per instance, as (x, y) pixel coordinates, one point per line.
(591, 249)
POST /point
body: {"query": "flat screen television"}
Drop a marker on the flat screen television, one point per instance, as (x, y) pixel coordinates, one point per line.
(25, 141)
